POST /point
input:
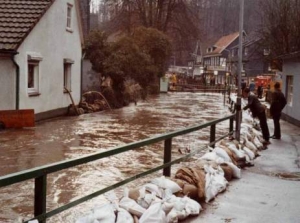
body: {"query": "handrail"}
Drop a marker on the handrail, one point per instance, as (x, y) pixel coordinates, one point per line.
(40, 173)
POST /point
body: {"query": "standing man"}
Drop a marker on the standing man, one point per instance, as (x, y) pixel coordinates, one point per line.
(260, 91)
(257, 110)
(277, 104)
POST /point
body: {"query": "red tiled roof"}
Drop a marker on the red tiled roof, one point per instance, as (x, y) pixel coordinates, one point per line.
(17, 19)
(223, 42)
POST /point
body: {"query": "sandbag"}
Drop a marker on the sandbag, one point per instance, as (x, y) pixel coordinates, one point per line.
(250, 153)
(230, 153)
(215, 183)
(228, 172)
(236, 172)
(165, 183)
(222, 153)
(146, 199)
(154, 188)
(131, 206)
(154, 214)
(105, 214)
(195, 177)
(134, 193)
(124, 216)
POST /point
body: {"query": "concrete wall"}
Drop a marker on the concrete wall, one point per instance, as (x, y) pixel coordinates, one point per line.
(90, 79)
(54, 43)
(292, 67)
(7, 84)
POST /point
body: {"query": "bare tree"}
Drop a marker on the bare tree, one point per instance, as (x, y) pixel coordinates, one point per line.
(280, 26)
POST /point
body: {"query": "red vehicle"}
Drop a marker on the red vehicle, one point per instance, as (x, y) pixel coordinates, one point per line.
(264, 80)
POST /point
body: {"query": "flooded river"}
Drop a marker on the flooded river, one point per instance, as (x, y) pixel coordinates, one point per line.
(71, 137)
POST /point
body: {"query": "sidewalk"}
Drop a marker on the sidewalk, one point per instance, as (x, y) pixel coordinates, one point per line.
(264, 193)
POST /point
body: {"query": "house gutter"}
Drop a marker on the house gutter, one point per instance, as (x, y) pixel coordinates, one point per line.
(81, 75)
(11, 54)
(17, 81)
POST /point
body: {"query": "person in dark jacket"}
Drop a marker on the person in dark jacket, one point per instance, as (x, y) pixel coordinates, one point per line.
(277, 104)
(260, 91)
(258, 111)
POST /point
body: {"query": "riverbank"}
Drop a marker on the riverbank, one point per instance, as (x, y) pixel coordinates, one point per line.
(267, 192)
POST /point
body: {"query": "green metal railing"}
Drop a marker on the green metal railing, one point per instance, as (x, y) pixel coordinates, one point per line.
(40, 173)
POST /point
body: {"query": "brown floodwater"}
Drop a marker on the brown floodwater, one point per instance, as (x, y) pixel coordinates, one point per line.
(71, 137)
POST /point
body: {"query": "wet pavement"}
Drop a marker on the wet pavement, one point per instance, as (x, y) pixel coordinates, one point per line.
(70, 137)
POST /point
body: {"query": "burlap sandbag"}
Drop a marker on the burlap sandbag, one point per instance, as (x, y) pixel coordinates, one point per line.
(187, 175)
(195, 177)
(200, 183)
(228, 174)
(230, 154)
(134, 193)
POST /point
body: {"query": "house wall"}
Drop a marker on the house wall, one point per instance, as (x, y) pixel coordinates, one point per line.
(53, 42)
(91, 79)
(292, 113)
(8, 84)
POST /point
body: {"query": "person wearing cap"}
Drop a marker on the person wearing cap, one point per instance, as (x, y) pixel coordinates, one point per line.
(258, 111)
(277, 104)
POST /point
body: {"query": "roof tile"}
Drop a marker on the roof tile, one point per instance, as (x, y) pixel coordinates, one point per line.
(17, 19)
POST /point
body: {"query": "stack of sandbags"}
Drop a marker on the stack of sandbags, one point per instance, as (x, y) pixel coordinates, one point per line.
(158, 197)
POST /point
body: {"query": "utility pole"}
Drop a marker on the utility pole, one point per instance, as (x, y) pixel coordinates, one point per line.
(240, 61)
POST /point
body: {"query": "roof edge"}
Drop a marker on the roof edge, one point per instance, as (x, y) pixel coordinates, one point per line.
(79, 18)
(7, 53)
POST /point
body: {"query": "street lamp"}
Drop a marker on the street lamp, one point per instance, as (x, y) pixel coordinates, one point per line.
(239, 100)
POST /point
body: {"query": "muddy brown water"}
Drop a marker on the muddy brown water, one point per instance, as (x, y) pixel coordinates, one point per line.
(71, 137)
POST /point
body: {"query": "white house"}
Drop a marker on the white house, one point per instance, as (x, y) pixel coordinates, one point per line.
(40, 54)
(291, 87)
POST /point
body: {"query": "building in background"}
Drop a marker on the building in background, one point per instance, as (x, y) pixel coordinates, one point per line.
(217, 59)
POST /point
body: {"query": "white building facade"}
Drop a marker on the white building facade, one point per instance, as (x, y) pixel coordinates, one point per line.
(36, 68)
(291, 87)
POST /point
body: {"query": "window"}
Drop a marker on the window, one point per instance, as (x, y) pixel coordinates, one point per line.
(289, 90)
(223, 62)
(67, 74)
(33, 74)
(266, 52)
(69, 17)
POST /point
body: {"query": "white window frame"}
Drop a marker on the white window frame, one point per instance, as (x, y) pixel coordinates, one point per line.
(223, 62)
(69, 17)
(289, 89)
(33, 61)
(67, 75)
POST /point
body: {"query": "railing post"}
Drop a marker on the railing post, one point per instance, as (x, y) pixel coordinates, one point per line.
(40, 194)
(167, 157)
(212, 134)
(231, 125)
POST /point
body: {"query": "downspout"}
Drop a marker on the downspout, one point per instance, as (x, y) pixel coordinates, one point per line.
(17, 80)
(81, 75)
